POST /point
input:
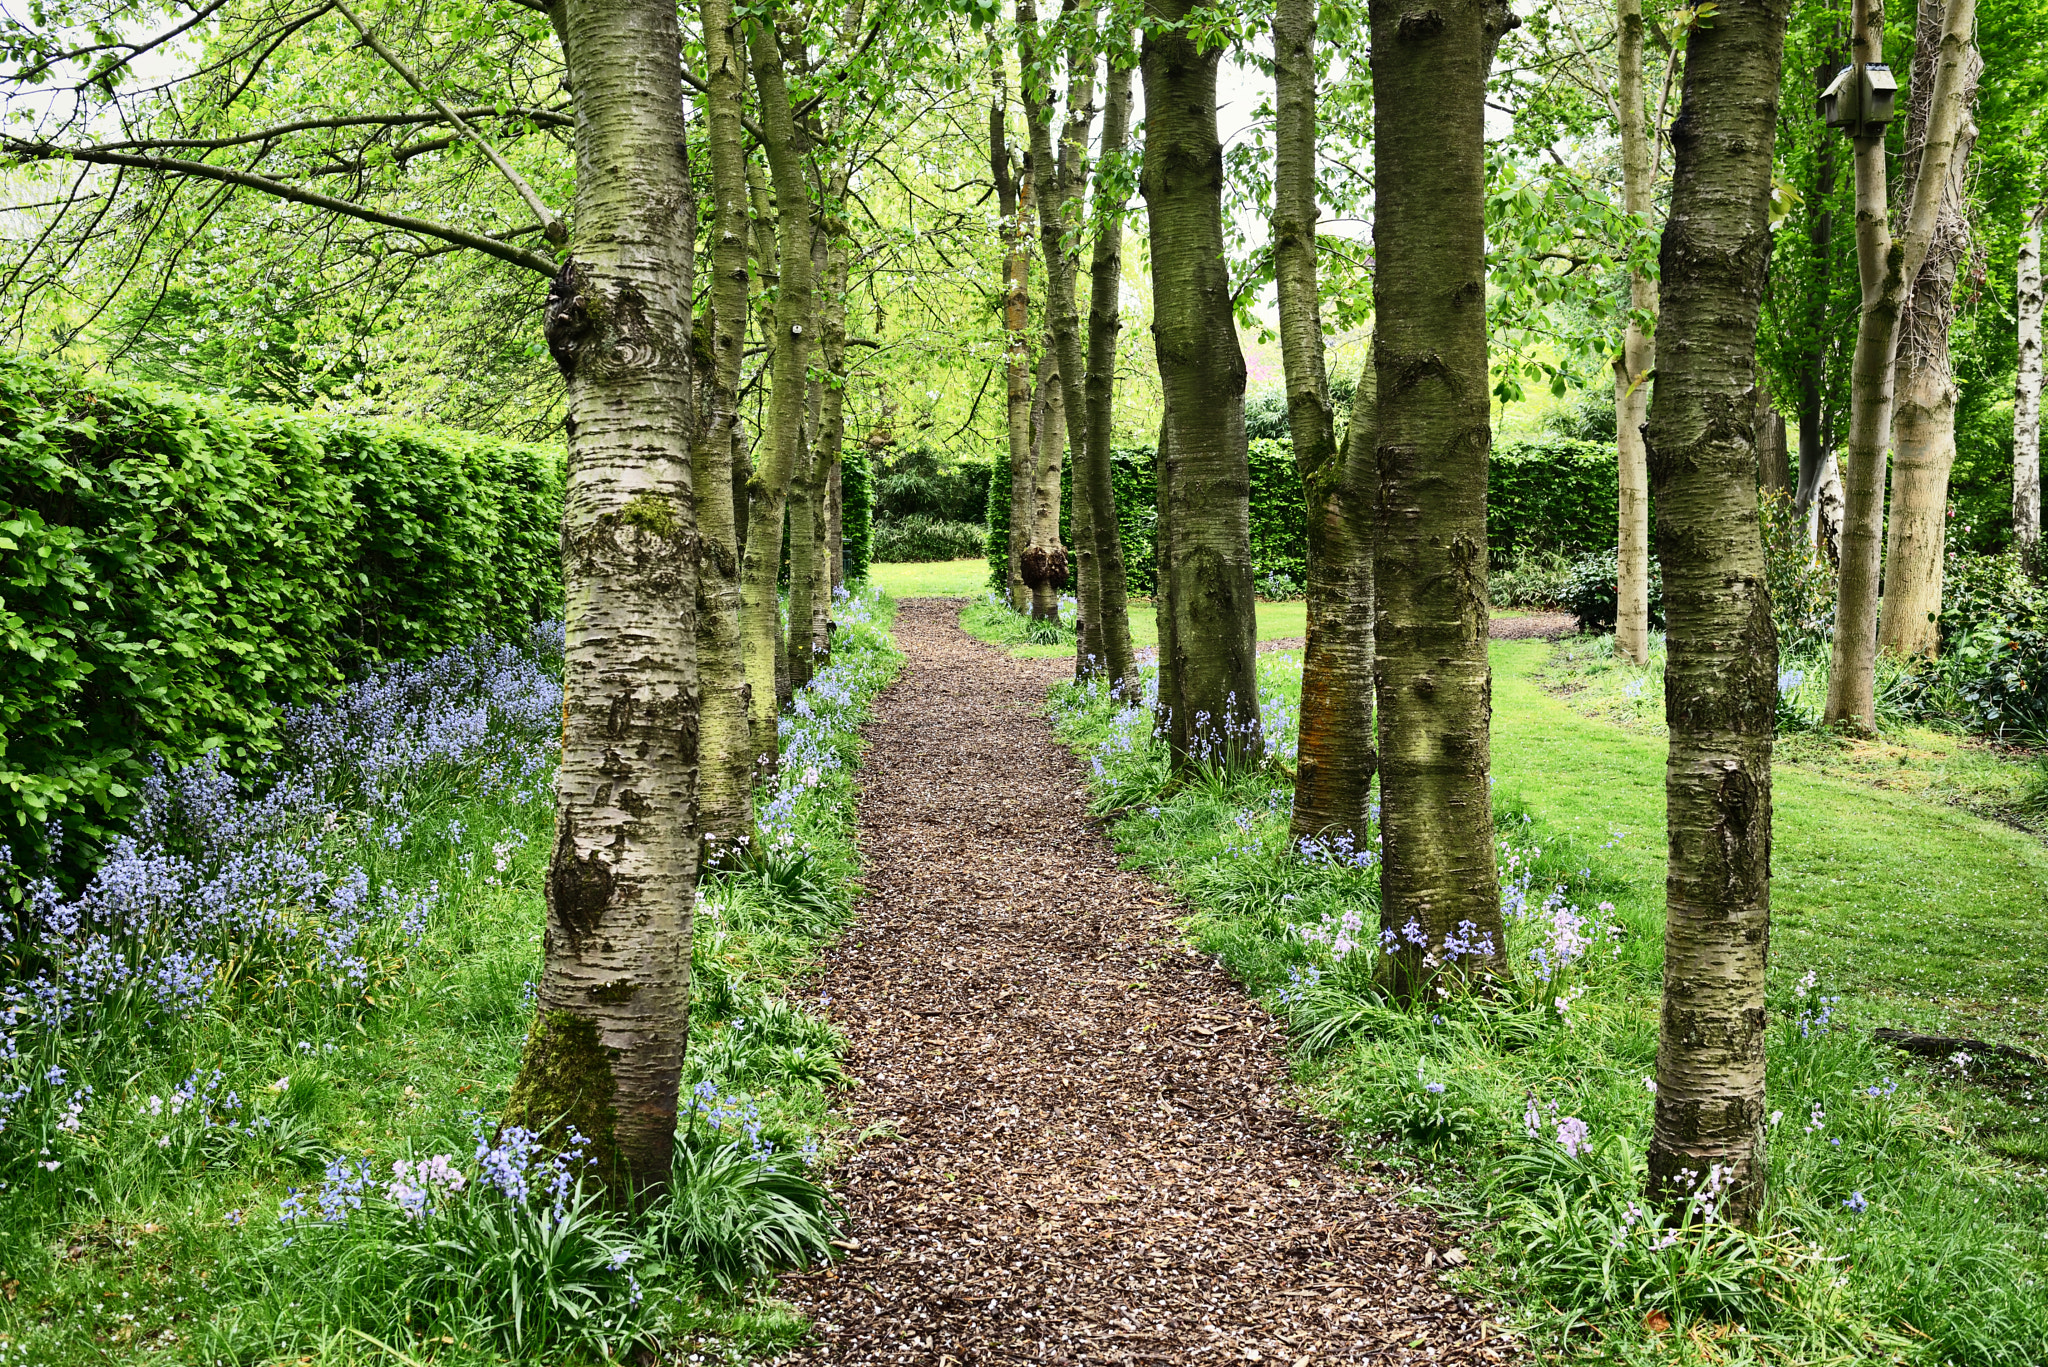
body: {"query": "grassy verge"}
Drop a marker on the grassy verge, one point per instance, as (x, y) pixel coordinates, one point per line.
(1909, 1201)
(214, 1059)
(988, 618)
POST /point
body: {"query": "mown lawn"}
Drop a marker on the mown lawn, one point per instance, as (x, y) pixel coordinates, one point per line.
(1908, 1217)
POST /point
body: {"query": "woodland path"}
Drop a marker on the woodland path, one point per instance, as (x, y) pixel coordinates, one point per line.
(1078, 1145)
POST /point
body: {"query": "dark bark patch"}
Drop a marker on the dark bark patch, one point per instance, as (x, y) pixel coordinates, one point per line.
(1043, 568)
(579, 890)
(566, 319)
(1420, 25)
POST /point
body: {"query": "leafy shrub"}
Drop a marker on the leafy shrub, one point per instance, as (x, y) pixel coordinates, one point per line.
(1588, 591)
(1553, 494)
(1800, 578)
(180, 571)
(1535, 580)
(922, 539)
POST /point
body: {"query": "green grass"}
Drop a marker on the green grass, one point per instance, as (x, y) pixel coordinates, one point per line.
(1904, 911)
(131, 1250)
(939, 579)
(993, 622)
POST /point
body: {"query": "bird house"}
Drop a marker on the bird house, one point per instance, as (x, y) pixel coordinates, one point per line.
(1861, 100)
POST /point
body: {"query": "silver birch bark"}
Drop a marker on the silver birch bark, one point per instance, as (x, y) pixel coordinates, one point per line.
(1720, 691)
(1638, 356)
(1046, 567)
(1013, 201)
(1924, 413)
(2026, 401)
(1045, 558)
(606, 1050)
(1888, 269)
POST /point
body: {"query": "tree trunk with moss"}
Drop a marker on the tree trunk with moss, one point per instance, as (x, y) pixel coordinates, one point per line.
(1638, 355)
(1924, 411)
(606, 1051)
(1888, 268)
(1202, 375)
(1720, 682)
(725, 750)
(1336, 755)
(1046, 567)
(790, 349)
(1093, 471)
(1439, 894)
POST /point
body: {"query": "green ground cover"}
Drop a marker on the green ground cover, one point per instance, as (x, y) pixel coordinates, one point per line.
(988, 620)
(209, 1179)
(933, 579)
(1909, 1212)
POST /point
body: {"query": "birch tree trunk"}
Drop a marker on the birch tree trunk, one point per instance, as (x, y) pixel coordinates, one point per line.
(1924, 414)
(1171, 718)
(790, 349)
(1429, 302)
(2026, 402)
(1056, 179)
(1093, 472)
(1202, 375)
(1888, 270)
(1336, 757)
(606, 1050)
(725, 768)
(1816, 439)
(831, 436)
(1721, 679)
(807, 476)
(1638, 357)
(1013, 199)
(1045, 559)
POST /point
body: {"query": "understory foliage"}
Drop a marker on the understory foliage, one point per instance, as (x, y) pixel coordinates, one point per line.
(992, 619)
(176, 573)
(249, 1075)
(1524, 1110)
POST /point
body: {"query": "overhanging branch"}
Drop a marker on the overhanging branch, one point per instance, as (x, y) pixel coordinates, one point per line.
(249, 180)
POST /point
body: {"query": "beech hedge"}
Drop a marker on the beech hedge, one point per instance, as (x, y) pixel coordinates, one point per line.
(1550, 494)
(175, 572)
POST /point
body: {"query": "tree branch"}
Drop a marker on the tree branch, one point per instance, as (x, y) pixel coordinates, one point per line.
(249, 180)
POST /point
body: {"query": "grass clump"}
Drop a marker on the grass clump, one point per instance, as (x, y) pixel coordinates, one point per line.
(253, 1074)
(1901, 1222)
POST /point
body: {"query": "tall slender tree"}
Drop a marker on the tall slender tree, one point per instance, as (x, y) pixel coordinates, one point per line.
(1924, 410)
(1721, 680)
(725, 749)
(2026, 403)
(606, 1050)
(1336, 757)
(789, 342)
(1438, 889)
(1013, 201)
(1093, 475)
(1888, 267)
(1204, 469)
(1638, 352)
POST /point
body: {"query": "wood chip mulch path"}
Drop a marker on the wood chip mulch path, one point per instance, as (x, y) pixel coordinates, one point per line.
(1078, 1147)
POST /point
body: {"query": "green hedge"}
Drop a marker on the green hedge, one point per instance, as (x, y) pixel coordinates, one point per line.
(856, 513)
(1550, 494)
(175, 571)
